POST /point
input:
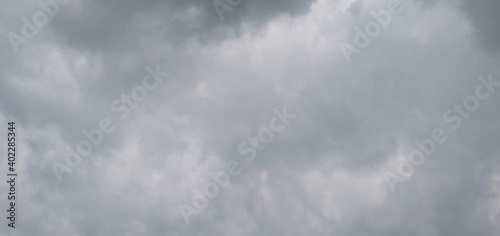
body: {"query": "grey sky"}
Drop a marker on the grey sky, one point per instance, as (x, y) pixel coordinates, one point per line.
(322, 175)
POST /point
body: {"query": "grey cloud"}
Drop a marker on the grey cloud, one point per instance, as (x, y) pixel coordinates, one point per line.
(322, 175)
(484, 17)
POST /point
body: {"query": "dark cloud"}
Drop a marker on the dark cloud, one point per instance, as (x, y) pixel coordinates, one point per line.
(484, 16)
(322, 175)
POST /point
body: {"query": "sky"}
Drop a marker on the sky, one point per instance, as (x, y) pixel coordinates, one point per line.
(251, 117)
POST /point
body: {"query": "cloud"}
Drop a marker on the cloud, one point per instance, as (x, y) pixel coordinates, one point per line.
(323, 175)
(483, 16)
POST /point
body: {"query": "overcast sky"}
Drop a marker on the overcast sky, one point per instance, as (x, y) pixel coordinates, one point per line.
(234, 69)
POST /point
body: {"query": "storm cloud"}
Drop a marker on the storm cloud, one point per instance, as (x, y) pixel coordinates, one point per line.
(324, 173)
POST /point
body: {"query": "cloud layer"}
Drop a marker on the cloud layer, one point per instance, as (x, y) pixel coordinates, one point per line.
(324, 174)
